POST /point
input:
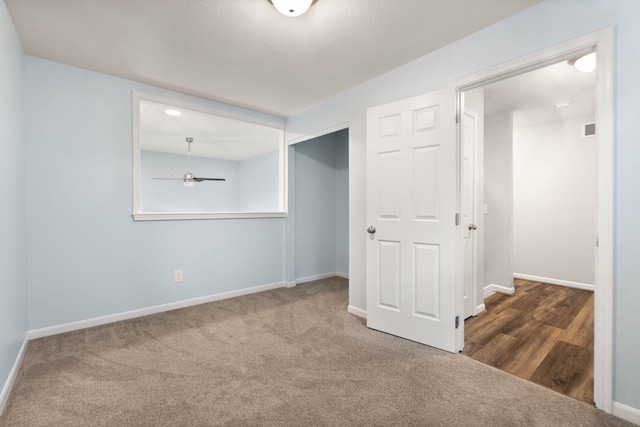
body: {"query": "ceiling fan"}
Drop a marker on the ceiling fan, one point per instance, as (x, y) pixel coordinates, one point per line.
(190, 179)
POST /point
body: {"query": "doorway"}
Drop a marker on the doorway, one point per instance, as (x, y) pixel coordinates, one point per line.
(537, 208)
(321, 206)
(393, 157)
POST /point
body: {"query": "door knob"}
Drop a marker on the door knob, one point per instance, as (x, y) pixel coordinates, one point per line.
(472, 227)
(371, 229)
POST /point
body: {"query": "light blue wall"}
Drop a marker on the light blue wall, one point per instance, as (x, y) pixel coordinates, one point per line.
(259, 183)
(251, 185)
(627, 203)
(173, 196)
(321, 169)
(542, 26)
(13, 222)
(86, 256)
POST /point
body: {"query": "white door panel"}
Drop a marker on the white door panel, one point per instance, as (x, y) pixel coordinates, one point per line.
(468, 207)
(411, 202)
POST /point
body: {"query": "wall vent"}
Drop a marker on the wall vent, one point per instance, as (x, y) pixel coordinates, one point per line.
(588, 129)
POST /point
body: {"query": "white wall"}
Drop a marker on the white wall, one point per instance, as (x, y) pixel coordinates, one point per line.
(13, 251)
(539, 27)
(498, 196)
(555, 201)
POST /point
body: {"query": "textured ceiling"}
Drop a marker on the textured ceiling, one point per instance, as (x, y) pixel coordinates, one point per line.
(243, 52)
(214, 136)
(533, 96)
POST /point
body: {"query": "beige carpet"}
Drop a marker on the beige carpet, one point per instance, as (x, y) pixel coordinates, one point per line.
(287, 357)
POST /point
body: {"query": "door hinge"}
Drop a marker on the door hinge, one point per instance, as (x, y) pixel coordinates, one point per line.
(597, 242)
(457, 219)
(457, 322)
(457, 117)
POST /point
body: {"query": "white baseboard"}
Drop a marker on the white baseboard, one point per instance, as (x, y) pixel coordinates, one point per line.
(479, 309)
(343, 275)
(626, 413)
(357, 311)
(567, 283)
(493, 288)
(102, 320)
(4, 395)
(319, 277)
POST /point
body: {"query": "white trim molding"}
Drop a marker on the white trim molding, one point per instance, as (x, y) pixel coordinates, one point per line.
(560, 282)
(493, 288)
(103, 320)
(627, 413)
(603, 295)
(165, 216)
(8, 385)
(357, 311)
(111, 318)
(479, 309)
(343, 275)
(326, 131)
(307, 279)
(138, 215)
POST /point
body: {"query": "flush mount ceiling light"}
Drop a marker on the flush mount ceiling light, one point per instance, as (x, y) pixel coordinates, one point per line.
(584, 63)
(292, 7)
(172, 112)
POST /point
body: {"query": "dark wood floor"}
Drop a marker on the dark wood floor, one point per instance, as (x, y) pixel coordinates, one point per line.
(542, 333)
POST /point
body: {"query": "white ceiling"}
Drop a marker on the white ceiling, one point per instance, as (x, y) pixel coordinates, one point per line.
(213, 136)
(533, 96)
(243, 52)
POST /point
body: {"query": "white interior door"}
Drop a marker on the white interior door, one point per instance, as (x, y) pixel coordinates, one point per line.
(468, 223)
(411, 208)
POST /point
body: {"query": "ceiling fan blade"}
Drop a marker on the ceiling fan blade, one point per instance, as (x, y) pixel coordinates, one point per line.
(198, 179)
(188, 178)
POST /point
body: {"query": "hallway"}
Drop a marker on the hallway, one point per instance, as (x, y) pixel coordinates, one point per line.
(542, 333)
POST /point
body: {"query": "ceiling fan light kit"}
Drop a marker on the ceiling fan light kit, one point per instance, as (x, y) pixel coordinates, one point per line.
(189, 179)
(292, 8)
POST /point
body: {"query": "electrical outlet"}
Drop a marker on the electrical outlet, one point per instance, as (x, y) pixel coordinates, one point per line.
(177, 276)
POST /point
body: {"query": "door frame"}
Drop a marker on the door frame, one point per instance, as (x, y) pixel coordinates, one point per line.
(602, 42)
